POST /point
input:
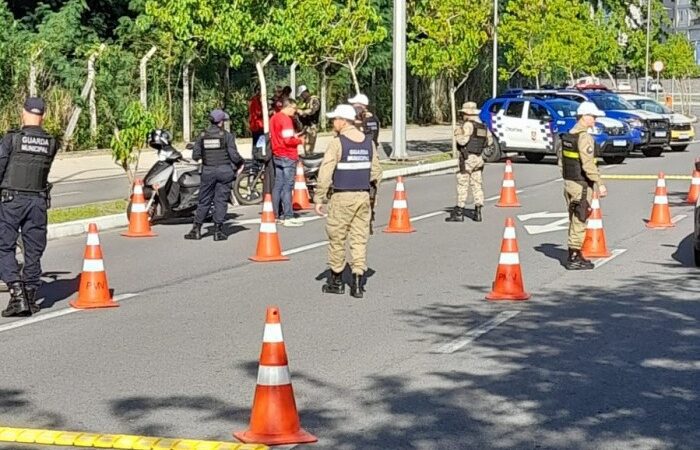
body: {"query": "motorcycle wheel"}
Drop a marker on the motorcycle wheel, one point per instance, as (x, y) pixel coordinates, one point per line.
(248, 195)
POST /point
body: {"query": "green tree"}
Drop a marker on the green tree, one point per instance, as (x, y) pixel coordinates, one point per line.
(130, 138)
(678, 55)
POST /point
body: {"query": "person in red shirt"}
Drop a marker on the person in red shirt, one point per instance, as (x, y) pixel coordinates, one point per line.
(255, 116)
(285, 156)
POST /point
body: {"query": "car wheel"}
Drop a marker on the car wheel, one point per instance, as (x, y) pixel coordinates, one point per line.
(652, 152)
(679, 148)
(492, 153)
(534, 157)
(613, 159)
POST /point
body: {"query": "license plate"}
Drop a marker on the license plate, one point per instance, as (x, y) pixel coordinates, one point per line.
(660, 134)
(619, 143)
(683, 136)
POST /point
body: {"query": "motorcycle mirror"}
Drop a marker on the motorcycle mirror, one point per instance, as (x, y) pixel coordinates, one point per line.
(189, 146)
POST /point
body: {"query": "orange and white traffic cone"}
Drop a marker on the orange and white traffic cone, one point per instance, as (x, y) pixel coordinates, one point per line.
(594, 245)
(400, 221)
(274, 419)
(139, 222)
(93, 291)
(509, 197)
(694, 191)
(660, 213)
(300, 199)
(509, 279)
(269, 248)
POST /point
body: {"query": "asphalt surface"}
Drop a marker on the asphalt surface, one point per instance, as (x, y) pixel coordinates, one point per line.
(606, 359)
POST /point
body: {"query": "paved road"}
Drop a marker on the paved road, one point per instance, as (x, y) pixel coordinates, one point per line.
(606, 359)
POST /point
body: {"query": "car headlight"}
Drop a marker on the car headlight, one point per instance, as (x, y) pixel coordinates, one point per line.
(597, 130)
(636, 123)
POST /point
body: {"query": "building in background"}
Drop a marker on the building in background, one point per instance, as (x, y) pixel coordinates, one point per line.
(685, 19)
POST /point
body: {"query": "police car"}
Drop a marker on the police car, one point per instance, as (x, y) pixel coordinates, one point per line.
(682, 132)
(532, 126)
(654, 129)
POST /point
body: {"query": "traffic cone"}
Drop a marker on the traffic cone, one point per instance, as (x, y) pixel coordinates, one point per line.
(300, 200)
(274, 419)
(139, 222)
(400, 221)
(268, 240)
(694, 191)
(93, 291)
(660, 213)
(509, 280)
(594, 245)
(509, 198)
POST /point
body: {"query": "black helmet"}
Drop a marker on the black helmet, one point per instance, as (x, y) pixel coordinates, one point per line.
(159, 138)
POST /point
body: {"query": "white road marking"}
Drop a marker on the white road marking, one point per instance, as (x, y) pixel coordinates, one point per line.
(496, 197)
(53, 314)
(542, 215)
(614, 254)
(477, 332)
(427, 216)
(257, 221)
(304, 248)
(64, 193)
(678, 218)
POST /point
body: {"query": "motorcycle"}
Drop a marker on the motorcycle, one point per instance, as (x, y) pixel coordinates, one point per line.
(248, 187)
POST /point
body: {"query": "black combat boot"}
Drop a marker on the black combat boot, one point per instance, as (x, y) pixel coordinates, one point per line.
(456, 215)
(334, 285)
(576, 262)
(219, 234)
(356, 290)
(31, 293)
(477, 213)
(196, 233)
(18, 305)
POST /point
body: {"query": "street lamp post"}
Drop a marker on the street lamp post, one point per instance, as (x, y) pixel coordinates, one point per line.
(495, 50)
(399, 80)
(646, 69)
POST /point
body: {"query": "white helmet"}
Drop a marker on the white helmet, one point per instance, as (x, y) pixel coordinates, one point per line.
(360, 99)
(589, 109)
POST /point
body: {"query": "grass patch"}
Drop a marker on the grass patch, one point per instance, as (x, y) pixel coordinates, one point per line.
(434, 158)
(61, 215)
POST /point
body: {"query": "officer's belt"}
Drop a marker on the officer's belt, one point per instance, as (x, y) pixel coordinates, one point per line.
(335, 191)
(41, 194)
(570, 154)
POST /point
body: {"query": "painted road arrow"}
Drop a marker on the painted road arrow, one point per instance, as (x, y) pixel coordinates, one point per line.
(561, 224)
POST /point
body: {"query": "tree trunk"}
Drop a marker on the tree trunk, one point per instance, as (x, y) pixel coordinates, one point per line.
(415, 100)
(32, 79)
(91, 99)
(612, 79)
(293, 78)
(324, 95)
(260, 67)
(143, 75)
(571, 77)
(435, 94)
(453, 114)
(353, 73)
(537, 81)
(186, 124)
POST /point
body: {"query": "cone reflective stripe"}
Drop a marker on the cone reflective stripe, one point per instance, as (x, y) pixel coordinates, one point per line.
(508, 284)
(694, 191)
(594, 243)
(300, 198)
(269, 248)
(274, 419)
(660, 212)
(93, 291)
(509, 197)
(400, 221)
(139, 222)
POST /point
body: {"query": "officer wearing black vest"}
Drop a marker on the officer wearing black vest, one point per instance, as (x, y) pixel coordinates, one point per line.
(217, 149)
(581, 176)
(351, 165)
(366, 121)
(25, 161)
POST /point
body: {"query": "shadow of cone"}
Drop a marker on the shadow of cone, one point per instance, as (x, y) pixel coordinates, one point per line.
(93, 291)
(139, 222)
(274, 419)
(269, 248)
(660, 212)
(300, 199)
(508, 284)
(594, 244)
(400, 221)
(509, 197)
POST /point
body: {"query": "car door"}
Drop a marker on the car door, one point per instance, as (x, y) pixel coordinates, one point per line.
(538, 131)
(510, 124)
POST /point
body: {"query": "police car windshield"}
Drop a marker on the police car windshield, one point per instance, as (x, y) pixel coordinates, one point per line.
(650, 105)
(611, 101)
(564, 108)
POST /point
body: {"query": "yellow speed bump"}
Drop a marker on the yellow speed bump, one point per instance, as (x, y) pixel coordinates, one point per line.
(120, 441)
(611, 176)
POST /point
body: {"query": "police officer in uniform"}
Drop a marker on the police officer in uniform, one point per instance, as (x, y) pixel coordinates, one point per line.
(350, 165)
(472, 137)
(25, 161)
(366, 121)
(216, 148)
(308, 113)
(581, 176)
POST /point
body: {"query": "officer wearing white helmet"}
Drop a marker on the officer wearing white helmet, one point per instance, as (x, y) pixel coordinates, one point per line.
(581, 177)
(366, 121)
(308, 112)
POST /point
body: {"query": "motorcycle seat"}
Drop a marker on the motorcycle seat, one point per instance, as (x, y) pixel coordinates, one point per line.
(312, 161)
(190, 179)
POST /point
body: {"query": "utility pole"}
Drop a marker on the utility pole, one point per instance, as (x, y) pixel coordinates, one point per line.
(399, 80)
(646, 67)
(494, 82)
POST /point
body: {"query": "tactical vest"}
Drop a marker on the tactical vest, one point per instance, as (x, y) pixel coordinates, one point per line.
(478, 139)
(370, 126)
(354, 169)
(572, 169)
(33, 151)
(214, 151)
(312, 119)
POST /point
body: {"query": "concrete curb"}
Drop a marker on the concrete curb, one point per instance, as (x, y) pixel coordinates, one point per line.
(79, 227)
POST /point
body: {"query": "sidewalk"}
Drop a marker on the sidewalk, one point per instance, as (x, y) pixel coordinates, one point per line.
(95, 165)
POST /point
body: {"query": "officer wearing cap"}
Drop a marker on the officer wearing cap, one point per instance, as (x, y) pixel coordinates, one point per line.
(308, 113)
(26, 156)
(581, 176)
(472, 137)
(350, 165)
(366, 121)
(217, 149)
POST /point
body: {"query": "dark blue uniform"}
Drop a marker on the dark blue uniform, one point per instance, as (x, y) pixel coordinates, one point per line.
(25, 160)
(217, 149)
